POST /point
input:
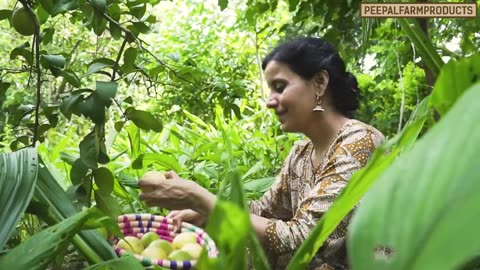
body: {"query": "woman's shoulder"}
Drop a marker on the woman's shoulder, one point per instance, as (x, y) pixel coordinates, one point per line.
(357, 130)
(300, 146)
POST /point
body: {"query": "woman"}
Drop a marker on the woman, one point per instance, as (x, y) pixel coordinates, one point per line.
(311, 93)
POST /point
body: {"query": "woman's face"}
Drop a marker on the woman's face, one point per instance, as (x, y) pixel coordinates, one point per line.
(292, 97)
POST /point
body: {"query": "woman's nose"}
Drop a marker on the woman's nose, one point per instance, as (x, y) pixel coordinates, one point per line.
(272, 101)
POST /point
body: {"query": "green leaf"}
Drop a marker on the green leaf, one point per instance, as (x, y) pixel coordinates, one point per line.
(48, 192)
(228, 218)
(5, 14)
(138, 11)
(53, 62)
(423, 197)
(222, 4)
(71, 104)
(292, 5)
(99, 64)
(144, 120)
(77, 171)
(52, 240)
(259, 185)
(47, 5)
(119, 125)
(166, 161)
(453, 80)
(104, 180)
(100, 5)
(423, 43)
(89, 148)
(19, 51)
(93, 107)
(18, 176)
(106, 91)
(138, 27)
(115, 31)
(156, 70)
(4, 87)
(108, 204)
(130, 56)
(62, 6)
(128, 262)
(134, 138)
(71, 77)
(47, 35)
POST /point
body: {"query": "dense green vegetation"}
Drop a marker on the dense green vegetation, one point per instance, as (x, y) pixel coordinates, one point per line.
(107, 90)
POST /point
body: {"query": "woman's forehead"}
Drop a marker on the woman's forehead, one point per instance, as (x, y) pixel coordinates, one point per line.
(276, 69)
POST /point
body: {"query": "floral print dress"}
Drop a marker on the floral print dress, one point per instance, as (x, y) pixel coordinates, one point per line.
(302, 193)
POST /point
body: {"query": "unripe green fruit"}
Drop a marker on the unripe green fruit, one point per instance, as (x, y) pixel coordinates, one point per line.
(22, 22)
(148, 238)
(179, 255)
(163, 244)
(155, 253)
(193, 249)
(184, 238)
(136, 245)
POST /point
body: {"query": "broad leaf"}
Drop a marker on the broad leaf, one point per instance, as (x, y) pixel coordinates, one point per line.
(222, 4)
(71, 77)
(168, 162)
(28, 255)
(454, 79)
(50, 60)
(259, 185)
(99, 64)
(49, 193)
(144, 120)
(228, 226)
(106, 91)
(89, 149)
(407, 218)
(18, 175)
(104, 180)
(64, 5)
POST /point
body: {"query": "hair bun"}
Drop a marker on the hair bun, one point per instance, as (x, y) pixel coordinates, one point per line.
(351, 82)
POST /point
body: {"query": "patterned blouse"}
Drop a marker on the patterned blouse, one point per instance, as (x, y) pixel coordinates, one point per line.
(302, 193)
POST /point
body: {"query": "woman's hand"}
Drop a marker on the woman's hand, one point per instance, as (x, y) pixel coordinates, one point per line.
(187, 215)
(174, 193)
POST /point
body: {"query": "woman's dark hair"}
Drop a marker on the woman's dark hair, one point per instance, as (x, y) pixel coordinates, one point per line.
(307, 57)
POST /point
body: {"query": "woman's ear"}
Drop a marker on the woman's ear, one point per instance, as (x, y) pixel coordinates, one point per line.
(321, 82)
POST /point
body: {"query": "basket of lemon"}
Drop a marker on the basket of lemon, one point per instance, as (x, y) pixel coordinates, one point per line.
(152, 240)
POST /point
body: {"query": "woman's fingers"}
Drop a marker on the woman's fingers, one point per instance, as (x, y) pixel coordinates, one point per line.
(173, 213)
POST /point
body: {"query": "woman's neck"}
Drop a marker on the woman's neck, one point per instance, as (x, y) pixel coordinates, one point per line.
(324, 132)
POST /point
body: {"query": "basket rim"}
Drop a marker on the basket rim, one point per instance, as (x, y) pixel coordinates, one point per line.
(137, 224)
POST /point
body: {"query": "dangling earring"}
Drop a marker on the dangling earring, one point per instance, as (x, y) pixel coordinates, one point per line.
(318, 107)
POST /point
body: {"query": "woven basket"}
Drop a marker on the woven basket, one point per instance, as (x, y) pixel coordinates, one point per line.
(139, 224)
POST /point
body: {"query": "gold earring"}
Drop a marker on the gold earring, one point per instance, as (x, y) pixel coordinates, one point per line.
(318, 107)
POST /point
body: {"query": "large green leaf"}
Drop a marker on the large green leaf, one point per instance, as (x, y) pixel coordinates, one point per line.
(18, 175)
(360, 182)
(423, 211)
(166, 161)
(423, 44)
(144, 120)
(50, 194)
(228, 227)
(454, 79)
(40, 249)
